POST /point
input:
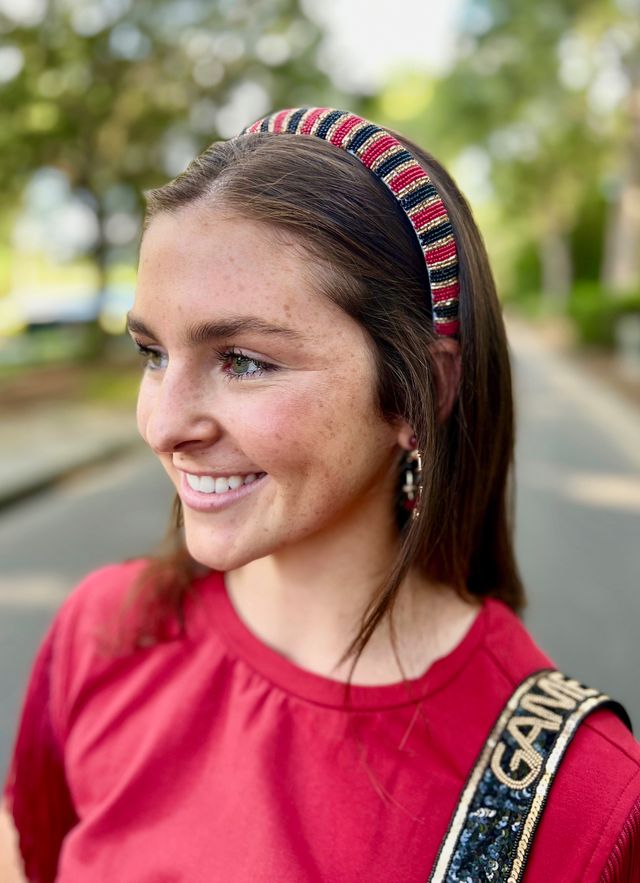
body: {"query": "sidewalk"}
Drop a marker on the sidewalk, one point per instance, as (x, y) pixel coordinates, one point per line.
(44, 444)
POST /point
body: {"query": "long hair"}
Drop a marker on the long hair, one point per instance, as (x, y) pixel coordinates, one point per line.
(372, 267)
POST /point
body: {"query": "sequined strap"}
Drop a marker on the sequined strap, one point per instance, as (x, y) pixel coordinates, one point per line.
(493, 826)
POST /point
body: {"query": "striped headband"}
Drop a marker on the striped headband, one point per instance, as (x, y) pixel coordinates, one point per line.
(411, 186)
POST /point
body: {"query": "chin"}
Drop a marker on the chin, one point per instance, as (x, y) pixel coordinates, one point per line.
(217, 555)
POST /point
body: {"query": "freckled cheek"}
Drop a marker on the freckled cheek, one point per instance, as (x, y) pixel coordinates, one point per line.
(266, 431)
(300, 439)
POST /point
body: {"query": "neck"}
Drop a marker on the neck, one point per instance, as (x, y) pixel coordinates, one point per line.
(307, 602)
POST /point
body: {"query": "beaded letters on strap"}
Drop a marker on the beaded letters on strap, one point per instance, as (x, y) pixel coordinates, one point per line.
(491, 832)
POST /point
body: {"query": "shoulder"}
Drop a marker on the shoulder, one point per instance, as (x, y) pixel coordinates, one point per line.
(595, 794)
(36, 786)
(595, 797)
(99, 592)
(85, 628)
(121, 624)
(602, 736)
(89, 607)
(510, 645)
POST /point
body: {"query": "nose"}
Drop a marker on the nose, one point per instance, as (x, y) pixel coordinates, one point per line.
(175, 413)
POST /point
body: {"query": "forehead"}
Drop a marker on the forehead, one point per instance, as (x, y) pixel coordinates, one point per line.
(205, 275)
(200, 258)
(199, 265)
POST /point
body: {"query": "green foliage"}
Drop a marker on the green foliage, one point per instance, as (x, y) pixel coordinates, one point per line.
(595, 312)
(526, 276)
(587, 236)
(115, 97)
(120, 95)
(111, 386)
(527, 93)
(106, 88)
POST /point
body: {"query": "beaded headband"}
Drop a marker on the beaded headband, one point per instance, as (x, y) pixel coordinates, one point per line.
(403, 175)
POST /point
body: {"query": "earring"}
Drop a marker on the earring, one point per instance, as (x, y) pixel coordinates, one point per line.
(412, 487)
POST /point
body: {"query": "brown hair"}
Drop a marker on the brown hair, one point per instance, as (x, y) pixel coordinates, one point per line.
(323, 198)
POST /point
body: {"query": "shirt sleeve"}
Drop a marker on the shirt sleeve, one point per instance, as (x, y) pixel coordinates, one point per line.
(36, 790)
(623, 864)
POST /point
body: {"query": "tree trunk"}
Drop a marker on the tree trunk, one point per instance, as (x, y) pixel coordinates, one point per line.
(621, 263)
(97, 337)
(556, 268)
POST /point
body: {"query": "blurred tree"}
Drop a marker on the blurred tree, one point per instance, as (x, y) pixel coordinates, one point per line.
(120, 94)
(621, 263)
(548, 93)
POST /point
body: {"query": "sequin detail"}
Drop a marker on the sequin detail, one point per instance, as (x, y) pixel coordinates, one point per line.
(492, 829)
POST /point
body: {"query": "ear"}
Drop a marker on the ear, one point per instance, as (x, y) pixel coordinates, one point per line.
(406, 438)
(447, 360)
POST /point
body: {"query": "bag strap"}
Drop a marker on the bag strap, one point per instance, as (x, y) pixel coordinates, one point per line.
(491, 832)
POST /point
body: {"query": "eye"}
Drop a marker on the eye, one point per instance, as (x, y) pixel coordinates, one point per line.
(237, 365)
(154, 360)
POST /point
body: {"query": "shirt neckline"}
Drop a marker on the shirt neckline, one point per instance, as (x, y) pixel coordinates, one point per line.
(322, 690)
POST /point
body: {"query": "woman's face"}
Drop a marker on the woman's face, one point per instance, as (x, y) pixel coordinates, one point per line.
(258, 394)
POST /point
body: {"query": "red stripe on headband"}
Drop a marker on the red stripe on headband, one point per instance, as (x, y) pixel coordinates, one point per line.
(441, 252)
(423, 216)
(448, 329)
(445, 293)
(310, 119)
(343, 129)
(408, 176)
(372, 153)
(279, 120)
(426, 215)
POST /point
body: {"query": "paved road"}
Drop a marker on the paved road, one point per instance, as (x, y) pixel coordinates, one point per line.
(578, 534)
(48, 543)
(578, 520)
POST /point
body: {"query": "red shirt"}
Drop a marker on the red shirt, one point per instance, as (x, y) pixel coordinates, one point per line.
(213, 758)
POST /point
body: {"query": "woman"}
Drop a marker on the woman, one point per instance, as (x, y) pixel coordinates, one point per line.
(304, 688)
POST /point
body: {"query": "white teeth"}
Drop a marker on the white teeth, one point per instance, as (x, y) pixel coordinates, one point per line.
(193, 481)
(206, 484)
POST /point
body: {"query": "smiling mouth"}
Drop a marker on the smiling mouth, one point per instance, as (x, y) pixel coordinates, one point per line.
(207, 484)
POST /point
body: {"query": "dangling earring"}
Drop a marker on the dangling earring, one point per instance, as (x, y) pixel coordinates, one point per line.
(412, 487)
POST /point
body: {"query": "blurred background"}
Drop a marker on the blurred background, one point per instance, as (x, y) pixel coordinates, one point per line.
(534, 105)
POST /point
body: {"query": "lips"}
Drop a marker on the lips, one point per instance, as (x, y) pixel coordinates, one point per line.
(208, 493)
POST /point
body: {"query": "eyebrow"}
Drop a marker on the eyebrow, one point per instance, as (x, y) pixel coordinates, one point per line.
(203, 332)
